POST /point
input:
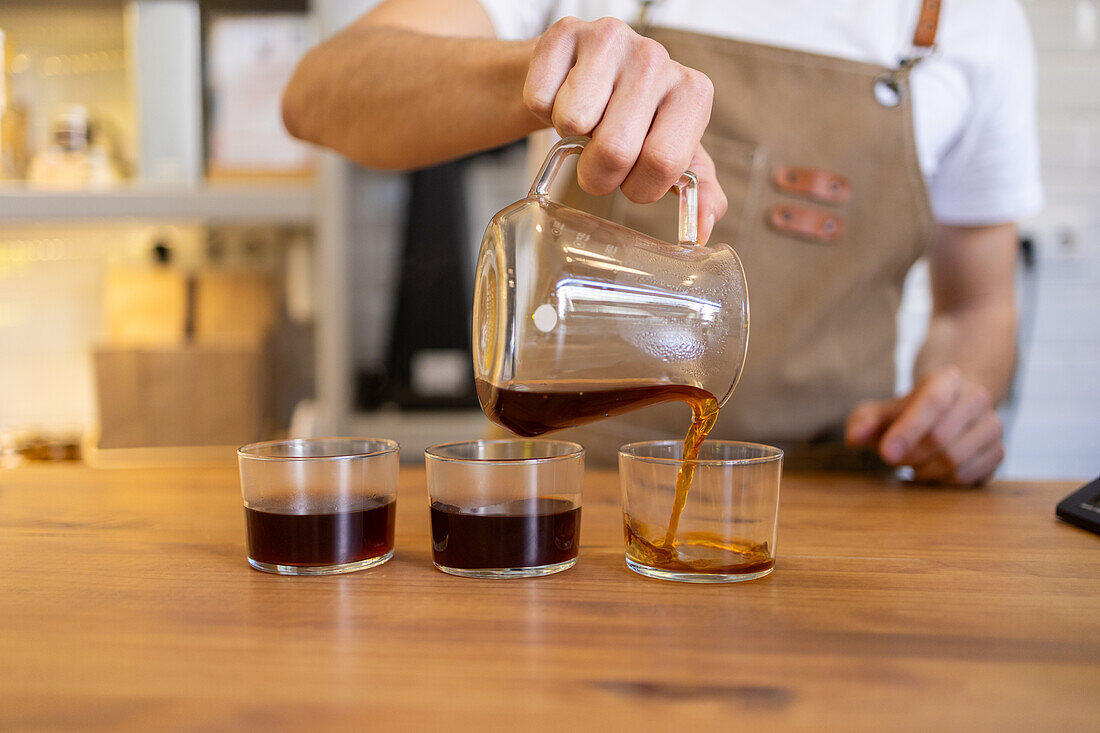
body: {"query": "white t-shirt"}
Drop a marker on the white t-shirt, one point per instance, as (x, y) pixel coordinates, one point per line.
(973, 101)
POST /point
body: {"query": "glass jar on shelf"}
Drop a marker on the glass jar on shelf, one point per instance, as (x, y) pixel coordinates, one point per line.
(75, 158)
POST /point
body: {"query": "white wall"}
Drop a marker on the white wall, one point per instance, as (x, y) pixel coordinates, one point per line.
(1054, 422)
(1057, 430)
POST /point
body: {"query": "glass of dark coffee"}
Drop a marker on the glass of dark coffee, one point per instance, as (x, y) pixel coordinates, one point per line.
(505, 508)
(318, 506)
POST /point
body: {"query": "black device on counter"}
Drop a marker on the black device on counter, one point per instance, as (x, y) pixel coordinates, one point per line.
(1082, 507)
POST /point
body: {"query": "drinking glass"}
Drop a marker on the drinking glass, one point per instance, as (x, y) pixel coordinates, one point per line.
(505, 508)
(727, 531)
(317, 506)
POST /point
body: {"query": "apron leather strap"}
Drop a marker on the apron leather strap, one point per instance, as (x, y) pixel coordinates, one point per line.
(927, 23)
(924, 45)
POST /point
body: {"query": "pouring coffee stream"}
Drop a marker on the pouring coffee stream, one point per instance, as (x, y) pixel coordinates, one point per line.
(577, 319)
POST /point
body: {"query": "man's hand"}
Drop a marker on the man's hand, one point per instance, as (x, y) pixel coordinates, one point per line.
(945, 429)
(644, 112)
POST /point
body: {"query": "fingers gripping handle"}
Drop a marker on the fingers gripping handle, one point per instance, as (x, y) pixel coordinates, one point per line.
(687, 187)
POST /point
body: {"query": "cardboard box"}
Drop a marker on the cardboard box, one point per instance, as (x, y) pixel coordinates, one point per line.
(146, 306)
(182, 396)
(233, 307)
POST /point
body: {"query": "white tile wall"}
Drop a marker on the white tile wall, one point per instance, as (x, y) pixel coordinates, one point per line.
(1054, 421)
(1060, 25)
(1070, 140)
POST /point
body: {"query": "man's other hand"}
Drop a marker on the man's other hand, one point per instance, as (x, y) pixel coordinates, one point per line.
(945, 429)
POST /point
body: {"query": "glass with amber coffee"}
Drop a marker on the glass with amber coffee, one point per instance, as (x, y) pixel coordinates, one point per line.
(505, 508)
(317, 506)
(721, 530)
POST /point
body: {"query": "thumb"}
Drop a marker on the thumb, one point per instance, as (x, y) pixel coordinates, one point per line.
(869, 420)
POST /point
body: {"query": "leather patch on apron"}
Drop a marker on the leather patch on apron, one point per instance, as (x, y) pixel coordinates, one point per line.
(813, 183)
(807, 223)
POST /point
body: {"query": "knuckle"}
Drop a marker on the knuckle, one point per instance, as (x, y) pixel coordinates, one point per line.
(938, 398)
(939, 438)
(699, 84)
(942, 380)
(553, 40)
(559, 38)
(564, 24)
(951, 374)
(663, 160)
(650, 56)
(954, 457)
(638, 193)
(612, 154)
(556, 34)
(981, 398)
(570, 122)
(607, 31)
(539, 103)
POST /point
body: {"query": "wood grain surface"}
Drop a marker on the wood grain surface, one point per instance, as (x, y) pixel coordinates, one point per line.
(126, 604)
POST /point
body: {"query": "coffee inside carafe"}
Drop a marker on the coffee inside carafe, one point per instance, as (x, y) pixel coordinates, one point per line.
(530, 409)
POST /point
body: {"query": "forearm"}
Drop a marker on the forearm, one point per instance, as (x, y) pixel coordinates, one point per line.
(980, 341)
(395, 99)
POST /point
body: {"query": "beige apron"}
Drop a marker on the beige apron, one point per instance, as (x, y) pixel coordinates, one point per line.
(828, 211)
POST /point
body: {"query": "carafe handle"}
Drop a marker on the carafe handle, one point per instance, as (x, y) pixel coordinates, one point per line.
(687, 187)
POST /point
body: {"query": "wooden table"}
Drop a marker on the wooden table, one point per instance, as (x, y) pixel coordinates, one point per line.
(126, 603)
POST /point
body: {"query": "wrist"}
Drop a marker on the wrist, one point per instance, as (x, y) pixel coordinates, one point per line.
(507, 74)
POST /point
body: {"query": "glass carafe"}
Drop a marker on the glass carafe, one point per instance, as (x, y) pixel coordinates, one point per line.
(577, 318)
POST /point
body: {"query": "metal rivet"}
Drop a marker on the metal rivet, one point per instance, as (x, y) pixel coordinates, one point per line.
(887, 92)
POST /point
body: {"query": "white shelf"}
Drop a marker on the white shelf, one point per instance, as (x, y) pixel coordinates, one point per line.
(286, 203)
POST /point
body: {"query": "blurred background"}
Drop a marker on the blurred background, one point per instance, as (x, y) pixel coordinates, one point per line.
(178, 275)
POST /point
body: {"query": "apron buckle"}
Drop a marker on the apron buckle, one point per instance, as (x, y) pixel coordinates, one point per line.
(890, 88)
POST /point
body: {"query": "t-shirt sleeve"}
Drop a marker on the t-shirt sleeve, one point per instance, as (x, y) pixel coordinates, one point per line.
(518, 19)
(991, 174)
